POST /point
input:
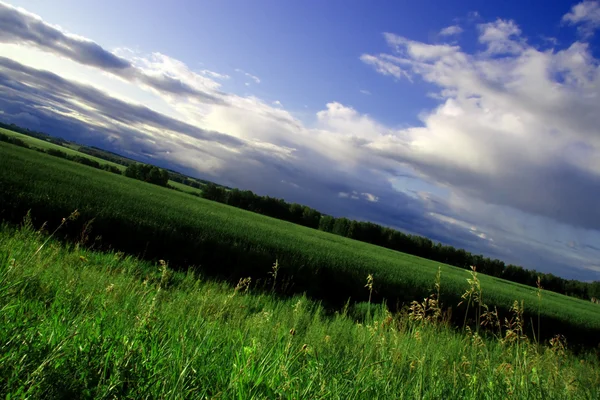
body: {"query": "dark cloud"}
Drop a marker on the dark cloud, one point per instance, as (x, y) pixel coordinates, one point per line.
(20, 27)
(558, 191)
(35, 89)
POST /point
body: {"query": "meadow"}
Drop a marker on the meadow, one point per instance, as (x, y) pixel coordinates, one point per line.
(44, 145)
(77, 323)
(227, 243)
(73, 150)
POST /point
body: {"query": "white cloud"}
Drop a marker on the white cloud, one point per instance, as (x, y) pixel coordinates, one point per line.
(415, 50)
(255, 78)
(501, 37)
(384, 67)
(370, 197)
(365, 92)
(503, 125)
(354, 195)
(586, 15)
(215, 75)
(451, 30)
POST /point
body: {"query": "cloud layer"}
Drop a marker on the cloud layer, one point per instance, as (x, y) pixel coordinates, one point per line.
(506, 164)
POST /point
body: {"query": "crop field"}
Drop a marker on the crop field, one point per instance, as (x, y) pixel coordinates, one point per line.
(44, 145)
(225, 242)
(72, 150)
(185, 188)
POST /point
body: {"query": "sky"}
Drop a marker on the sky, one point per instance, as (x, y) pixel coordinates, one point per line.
(472, 123)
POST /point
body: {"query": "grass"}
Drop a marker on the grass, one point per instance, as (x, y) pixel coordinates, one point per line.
(76, 323)
(72, 149)
(44, 145)
(225, 242)
(185, 188)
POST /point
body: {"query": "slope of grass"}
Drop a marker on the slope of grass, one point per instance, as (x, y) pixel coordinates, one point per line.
(72, 149)
(222, 241)
(185, 188)
(81, 324)
(44, 145)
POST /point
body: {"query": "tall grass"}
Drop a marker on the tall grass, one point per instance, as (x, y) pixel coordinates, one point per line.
(224, 242)
(75, 323)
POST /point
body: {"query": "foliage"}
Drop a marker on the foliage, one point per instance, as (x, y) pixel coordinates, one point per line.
(147, 173)
(226, 242)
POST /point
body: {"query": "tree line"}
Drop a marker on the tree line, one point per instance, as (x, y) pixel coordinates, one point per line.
(148, 173)
(392, 239)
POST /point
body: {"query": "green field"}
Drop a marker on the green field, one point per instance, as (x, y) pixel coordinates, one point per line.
(185, 188)
(225, 242)
(75, 323)
(72, 150)
(44, 145)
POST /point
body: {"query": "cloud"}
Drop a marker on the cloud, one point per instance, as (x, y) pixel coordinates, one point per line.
(17, 25)
(586, 15)
(256, 79)
(365, 92)
(451, 30)
(215, 75)
(354, 195)
(518, 130)
(384, 67)
(370, 197)
(501, 37)
(21, 27)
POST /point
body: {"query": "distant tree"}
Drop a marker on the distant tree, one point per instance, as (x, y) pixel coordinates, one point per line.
(310, 217)
(326, 223)
(214, 193)
(341, 227)
(296, 212)
(148, 173)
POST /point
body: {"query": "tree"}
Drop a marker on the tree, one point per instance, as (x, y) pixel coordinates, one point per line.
(148, 173)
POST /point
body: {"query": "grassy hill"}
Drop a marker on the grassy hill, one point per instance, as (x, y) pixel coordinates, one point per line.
(72, 149)
(225, 242)
(45, 145)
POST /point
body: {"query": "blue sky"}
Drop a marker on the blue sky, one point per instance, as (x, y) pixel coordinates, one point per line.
(472, 123)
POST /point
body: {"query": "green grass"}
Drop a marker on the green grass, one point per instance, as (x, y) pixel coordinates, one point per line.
(230, 243)
(185, 188)
(72, 149)
(44, 145)
(75, 323)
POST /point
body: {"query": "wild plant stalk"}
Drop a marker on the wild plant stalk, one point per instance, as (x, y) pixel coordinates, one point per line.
(430, 309)
(473, 294)
(29, 225)
(273, 273)
(369, 286)
(539, 296)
